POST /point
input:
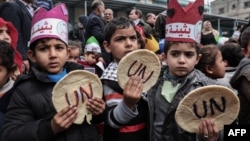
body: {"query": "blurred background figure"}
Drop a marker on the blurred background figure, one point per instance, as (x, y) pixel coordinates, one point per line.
(208, 34)
(237, 32)
(108, 15)
(20, 13)
(75, 50)
(150, 19)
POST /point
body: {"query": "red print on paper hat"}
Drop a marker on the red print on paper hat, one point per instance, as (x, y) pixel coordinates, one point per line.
(50, 24)
(184, 24)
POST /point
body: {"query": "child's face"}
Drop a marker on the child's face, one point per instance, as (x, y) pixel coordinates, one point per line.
(132, 15)
(50, 55)
(90, 58)
(219, 68)
(122, 42)
(74, 53)
(3, 76)
(181, 59)
(4, 34)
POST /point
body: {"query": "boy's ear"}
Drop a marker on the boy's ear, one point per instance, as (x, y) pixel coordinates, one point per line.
(244, 51)
(226, 62)
(31, 56)
(198, 58)
(208, 69)
(106, 46)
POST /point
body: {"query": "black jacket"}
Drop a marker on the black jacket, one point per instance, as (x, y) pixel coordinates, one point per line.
(31, 110)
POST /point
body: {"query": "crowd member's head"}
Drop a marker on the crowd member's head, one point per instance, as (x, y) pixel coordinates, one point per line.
(211, 62)
(98, 7)
(245, 40)
(92, 51)
(108, 15)
(135, 14)
(9, 34)
(231, 54)
(151, 19)
(7, 65)
(75, 49)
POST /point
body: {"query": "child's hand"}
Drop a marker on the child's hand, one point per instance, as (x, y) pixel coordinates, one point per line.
(96, 105)
(208, 131)
(132, 91)
(64, 119)
(15, 74)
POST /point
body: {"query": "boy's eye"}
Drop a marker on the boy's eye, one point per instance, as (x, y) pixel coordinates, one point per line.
(133, 38)
(189, 54)
(43, 48)
(120, 38)
(59, 47)
(175, 54)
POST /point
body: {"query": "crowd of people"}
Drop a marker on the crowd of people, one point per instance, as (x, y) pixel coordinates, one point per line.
(38, 48)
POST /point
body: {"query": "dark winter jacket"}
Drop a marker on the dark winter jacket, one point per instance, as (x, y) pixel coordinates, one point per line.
(31, 110)
(241, 82)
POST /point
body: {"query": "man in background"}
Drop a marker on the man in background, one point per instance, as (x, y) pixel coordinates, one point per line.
(108, 15)
(95, 27)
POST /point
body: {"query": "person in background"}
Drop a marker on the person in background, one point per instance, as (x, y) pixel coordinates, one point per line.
(126, 107)
(232, 54)
(77, 33)
(31, 114)
(159, 29)
(9, 34)
(150, 19)
(136, 16)
(236, 33)
(208, 34)
(108, 15)
(95, 27)
(90, 57)
(75, 50)
(211, 62)
(19, 13)
(240, 79)
(7, 68)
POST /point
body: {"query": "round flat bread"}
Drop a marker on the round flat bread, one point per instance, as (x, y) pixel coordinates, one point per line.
(75, 89)
(142, 63)
(217, 103)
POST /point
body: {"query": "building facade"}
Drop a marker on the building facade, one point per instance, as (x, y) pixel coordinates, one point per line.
(239, 9)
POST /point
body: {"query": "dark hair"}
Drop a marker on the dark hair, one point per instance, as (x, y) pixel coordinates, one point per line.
(231, 40)
(169, 44)
(208, 57)
(116, 23)
(239, 26)
(141, 41)
(7, 56)
(160, 25)
(96, 3)
(149, 15)
(137, 12)
(245, 38)
(43, 40)
(232, 53)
